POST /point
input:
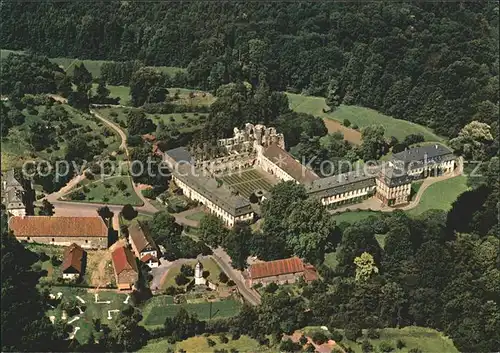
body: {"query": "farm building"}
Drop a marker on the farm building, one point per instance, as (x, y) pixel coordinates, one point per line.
(280, 272)
(87, 232)
(73, 262)
(125, 267)
(143, 245)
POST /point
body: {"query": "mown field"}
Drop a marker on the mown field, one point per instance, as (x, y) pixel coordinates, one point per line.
(158, 308)
(199, 344)
(359, 116)
(247, 182)
(208, 265)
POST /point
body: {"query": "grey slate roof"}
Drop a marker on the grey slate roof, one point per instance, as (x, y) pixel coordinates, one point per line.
(12, 191)
(341, 183)
(417, 156)
(180, 154)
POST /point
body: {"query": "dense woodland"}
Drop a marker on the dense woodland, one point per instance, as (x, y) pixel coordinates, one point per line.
(432, 63)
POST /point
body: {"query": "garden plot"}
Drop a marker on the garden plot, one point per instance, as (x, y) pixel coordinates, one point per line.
(247, 182)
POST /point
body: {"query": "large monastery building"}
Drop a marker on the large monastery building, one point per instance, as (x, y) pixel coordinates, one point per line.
(260, 147)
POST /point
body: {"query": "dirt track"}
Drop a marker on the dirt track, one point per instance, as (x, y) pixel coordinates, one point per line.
(351, 135)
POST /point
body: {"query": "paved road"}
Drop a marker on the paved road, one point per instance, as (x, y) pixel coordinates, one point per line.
(224, 261)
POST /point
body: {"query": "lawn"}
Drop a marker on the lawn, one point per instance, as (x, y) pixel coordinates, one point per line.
(196, 216)
(190, 96)
(16, 147)
(353, 216)
(93, 310)
(107, 192)
(440, 195)
(117, 91)
(360, 116)
(415, 186)
(208, 265)
(53, 271)
(426, 339)
(157, 310)
(199, 344)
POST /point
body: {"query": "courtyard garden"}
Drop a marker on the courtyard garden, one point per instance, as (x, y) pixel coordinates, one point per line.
(246, 182)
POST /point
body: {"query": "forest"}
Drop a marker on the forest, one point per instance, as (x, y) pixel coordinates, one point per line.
(408, 61)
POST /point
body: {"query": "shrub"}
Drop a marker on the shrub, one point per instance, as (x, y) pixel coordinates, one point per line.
(289, 346)
(271, 287)
(187, 270)
(352, 332)
(347, 123)
(128, 212)
(415, 350)
(319, 337)
(373, 334)
(386, 346)
(113, 114)
(355, 127)
(231, 283)
(181, 279)
(366, 346)
(148, 193)
(223, 338)
(336, 335)
(223, 277)
(211, 342)
(400, 344)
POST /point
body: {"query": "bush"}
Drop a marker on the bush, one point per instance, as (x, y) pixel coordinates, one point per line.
(43, 256)
(373, 334)
(352, 332)
(319, 337)
(181, 279)
(303, 340)
(149, 194)
(366, 346)
(223, 277)
(386, 346)
(223, 338)
(211, 342)
(187, 270)
(231, 283)
(271, 287)
(128, 212)
(355, 127)
(400, 344)
(289, 346)
(347, 123)
(336, 335)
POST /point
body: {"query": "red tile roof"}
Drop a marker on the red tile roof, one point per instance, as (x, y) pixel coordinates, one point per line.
(310, 273)
(54, 226)
(275, 268)
(123, 259)
(148, 257)
(73, 259)
(287, 163)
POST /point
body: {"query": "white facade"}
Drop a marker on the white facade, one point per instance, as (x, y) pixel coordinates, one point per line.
(198, 275)
(347, 195)
(71, 276)
(229, 219)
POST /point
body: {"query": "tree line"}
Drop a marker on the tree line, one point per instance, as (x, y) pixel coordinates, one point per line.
(434, 64)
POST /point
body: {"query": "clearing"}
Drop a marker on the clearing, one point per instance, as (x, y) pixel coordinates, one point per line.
(359, 116)
(208, 265)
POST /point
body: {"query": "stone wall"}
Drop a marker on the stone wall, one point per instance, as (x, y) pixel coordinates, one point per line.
(84, 242)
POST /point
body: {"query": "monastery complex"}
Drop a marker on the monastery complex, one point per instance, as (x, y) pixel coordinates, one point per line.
(262, 149)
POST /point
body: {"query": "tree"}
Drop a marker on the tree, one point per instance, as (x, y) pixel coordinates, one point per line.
(146, 86)
(187, 270)
(102, 92)
(212, 230)
(164, 229)
(46, 209)
(237, 244)
(333, 99)
(129, 212)
(223, 277)
(105, 213)
(473, 140)
(365, 266)
(183, 325)
(374, 145)
(138, 123)
(129, 335)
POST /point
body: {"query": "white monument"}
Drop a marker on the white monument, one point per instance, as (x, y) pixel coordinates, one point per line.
(198, 275)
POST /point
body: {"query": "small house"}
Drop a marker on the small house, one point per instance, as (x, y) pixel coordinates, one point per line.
(125, 267)
(143, 245)
(73, 262)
